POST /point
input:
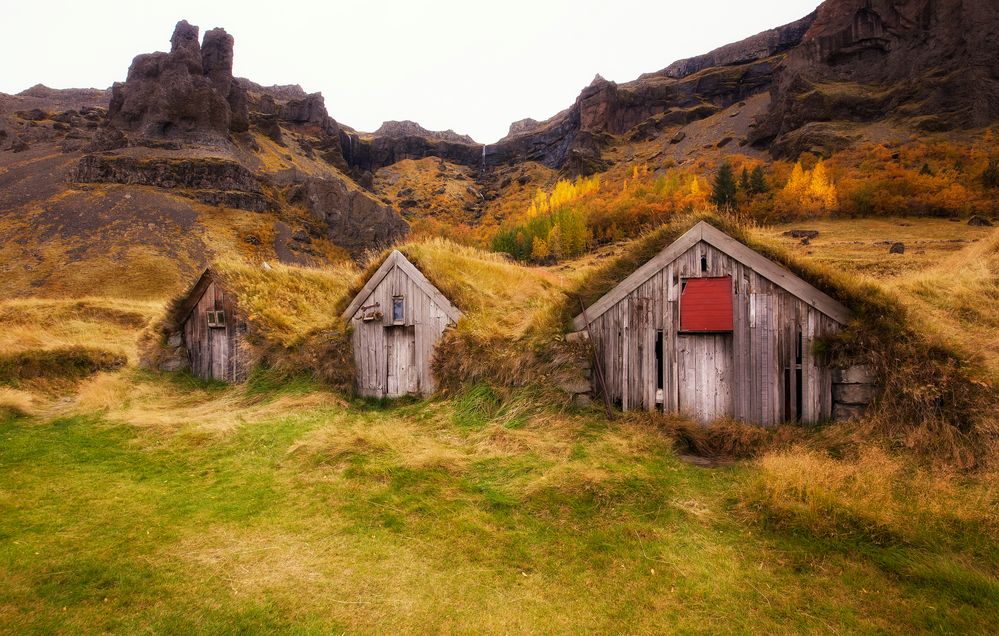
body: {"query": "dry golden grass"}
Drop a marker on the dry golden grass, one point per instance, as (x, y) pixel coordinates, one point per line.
(17, 403)
(285, 303)
(875, 495)
(497, 295)
(187, 407)
(105, 323)
(860, 246)
(959, 298)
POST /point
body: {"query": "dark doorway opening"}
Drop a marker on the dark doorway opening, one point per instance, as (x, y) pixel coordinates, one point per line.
(660, 384)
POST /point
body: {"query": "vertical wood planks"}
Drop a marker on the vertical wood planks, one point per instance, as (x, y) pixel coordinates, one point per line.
(749, 374)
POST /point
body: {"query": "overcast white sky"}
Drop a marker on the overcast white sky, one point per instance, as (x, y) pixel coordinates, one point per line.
(450, 64)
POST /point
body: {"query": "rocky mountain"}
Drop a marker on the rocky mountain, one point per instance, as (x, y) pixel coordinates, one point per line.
(183, 159)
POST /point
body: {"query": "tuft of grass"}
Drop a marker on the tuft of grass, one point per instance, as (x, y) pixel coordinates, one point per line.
(65, 363)
(16, 403)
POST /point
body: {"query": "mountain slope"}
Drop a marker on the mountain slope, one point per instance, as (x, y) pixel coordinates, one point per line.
(182, 160)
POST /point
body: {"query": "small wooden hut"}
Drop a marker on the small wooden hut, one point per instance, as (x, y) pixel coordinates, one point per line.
(212, 330)
(710, 328)
(397, 318)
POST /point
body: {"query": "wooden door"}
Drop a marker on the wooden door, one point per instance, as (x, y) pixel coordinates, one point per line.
(401, 373)
(705, 376)
(218, 346)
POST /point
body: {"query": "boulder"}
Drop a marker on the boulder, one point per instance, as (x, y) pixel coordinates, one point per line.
(802, 234)
(979, 221)
(897, 248)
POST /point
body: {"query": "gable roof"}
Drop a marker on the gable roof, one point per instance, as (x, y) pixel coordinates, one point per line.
(397, 259)
(183, 305)
(711, 235)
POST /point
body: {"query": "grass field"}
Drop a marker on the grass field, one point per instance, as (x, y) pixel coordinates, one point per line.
(139, 502)
(443, 516)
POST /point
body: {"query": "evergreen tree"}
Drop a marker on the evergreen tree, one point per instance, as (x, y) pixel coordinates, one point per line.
(926, 170)
(990, 178)
(744, 184)
(724, 190)
(757, 182)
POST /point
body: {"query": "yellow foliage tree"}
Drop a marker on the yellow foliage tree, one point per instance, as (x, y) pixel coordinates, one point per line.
(539, 249)
(807, 192)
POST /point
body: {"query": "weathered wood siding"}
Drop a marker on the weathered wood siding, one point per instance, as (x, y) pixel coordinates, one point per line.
(749, 374)
(394, 360)
(216, 353)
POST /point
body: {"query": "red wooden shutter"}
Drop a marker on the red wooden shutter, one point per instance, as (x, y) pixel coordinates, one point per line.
(706, 304)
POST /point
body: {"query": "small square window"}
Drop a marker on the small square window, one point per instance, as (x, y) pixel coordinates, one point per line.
(216, 318)
(398, 309)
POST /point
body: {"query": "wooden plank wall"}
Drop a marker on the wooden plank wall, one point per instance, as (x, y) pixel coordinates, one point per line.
(216, 354)
(405, 349)
(741, 374)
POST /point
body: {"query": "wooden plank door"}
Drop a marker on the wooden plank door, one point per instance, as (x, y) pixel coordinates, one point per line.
(401, 371)
(705, 376)
(218, 346)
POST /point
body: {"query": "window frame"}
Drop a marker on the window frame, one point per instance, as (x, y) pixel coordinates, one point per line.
(399, 302)
(216, 318)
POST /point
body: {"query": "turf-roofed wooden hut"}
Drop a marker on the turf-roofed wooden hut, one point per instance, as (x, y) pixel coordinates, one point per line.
(213, 330)
(711, 328)
(397, 318)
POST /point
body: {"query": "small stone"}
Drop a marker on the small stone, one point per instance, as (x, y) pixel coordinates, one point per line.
(802, 234)
(897, 248)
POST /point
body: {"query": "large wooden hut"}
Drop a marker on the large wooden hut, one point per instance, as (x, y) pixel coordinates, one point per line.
(212, 330)
(710, 328)
(397, 318)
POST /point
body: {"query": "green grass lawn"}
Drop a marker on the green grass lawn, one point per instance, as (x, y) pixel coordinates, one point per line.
(447, 516)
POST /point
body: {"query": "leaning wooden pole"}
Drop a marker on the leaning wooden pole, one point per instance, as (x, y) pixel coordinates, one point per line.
(598, 366)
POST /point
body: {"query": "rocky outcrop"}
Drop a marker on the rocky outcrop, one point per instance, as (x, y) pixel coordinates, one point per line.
(188, 92)
(372, 153)
(928, 63)
(399, 129)
(218, 174)
(354, 219)
(758, 47)
(310, 109)
(522, 126)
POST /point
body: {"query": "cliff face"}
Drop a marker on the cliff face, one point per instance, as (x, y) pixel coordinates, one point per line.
(929, 64)
(182, 131)
(757, 47)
